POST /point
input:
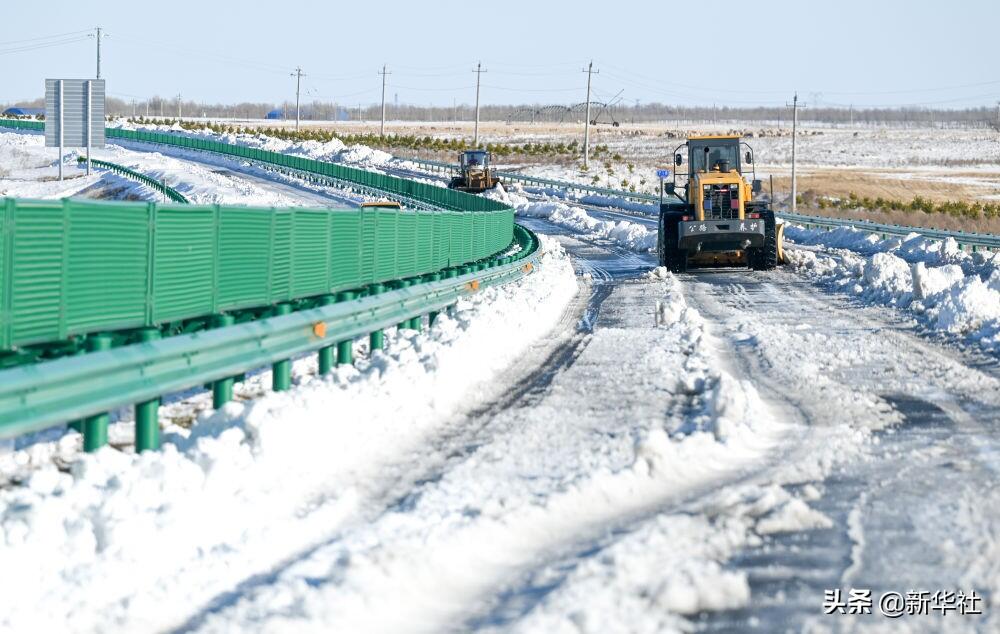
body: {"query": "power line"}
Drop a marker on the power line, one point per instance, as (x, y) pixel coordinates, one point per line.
(45, 37)
(35, 47)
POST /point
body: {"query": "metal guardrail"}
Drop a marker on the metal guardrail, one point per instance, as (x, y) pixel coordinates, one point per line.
(149, 181)
(963, 238)
(42, 395)
(974, 240)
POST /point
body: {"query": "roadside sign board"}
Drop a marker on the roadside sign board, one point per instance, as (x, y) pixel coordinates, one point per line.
(74, 111)
(663, 174)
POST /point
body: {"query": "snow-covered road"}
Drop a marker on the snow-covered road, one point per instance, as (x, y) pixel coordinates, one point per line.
(630, 452)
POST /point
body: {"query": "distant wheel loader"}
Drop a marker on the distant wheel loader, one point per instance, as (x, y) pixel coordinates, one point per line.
(475, 174)
(716, 222)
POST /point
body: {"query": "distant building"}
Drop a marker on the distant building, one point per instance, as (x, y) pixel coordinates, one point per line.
(23, 112)
(340, 114)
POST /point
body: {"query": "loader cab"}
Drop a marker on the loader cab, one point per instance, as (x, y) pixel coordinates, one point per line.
(714, 160)
(474, 159)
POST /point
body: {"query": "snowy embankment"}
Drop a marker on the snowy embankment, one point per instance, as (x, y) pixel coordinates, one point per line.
(333, 151)
(946, 289)
(630, 235)
(140, 543)
(28, 169)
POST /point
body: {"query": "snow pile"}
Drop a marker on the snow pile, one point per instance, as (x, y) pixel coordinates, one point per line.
(631, 235)
(645, 582)
(947, 289)
(135, 543)
(332, 151)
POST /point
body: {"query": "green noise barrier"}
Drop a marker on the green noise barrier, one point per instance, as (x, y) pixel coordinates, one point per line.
(90, 289)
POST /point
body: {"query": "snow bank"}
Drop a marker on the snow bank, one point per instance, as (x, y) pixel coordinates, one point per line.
(631, 235)
(126, 542)
(333, 151)
(945, 288)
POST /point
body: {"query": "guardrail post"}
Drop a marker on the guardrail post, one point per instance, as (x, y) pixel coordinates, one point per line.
(281, 371)
(406, 322)
(222, 389)
(95, 428)
(345, 353)
(325, 360)
(433, 315)
(376, 340)
(147, 423)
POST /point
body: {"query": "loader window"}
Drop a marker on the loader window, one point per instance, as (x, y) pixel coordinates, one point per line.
(474, 159)
(717, 154)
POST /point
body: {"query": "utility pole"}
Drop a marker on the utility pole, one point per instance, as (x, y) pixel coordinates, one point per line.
(133, 108)
(852, 115)
(298, 85)
(384, 73)
(586, 124)
(475, 135)
(178, 106)
(795, 105)
(98, 34)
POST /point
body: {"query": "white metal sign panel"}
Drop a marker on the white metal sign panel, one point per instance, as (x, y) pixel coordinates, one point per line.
(69, 105)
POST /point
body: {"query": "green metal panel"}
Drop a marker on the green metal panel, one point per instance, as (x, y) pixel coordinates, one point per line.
(36, 275)
(281, 251)
(479, 228)
(385, 245)
(368, 247)
(426, 243)
(442, 241)
(6, 220)
(244, 257)
(346, 248)
(464, 226)
(105, 266)
(183, 262)
(406, 245)
(310, 252)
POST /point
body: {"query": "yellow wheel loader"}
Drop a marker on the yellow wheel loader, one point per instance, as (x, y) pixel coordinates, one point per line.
(715, 221)
(474, 172)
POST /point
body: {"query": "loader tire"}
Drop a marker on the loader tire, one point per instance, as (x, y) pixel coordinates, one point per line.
(765, 258)
(676, 260)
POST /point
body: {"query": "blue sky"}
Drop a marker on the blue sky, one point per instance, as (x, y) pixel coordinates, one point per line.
(875, 52)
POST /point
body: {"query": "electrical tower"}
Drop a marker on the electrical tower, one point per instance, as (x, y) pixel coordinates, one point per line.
(586, 124)
(384, 73)
(795, 105)
(298, 75)
(98, 34)
(475, 135)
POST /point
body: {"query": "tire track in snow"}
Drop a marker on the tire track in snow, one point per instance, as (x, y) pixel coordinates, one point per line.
(888, 532)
